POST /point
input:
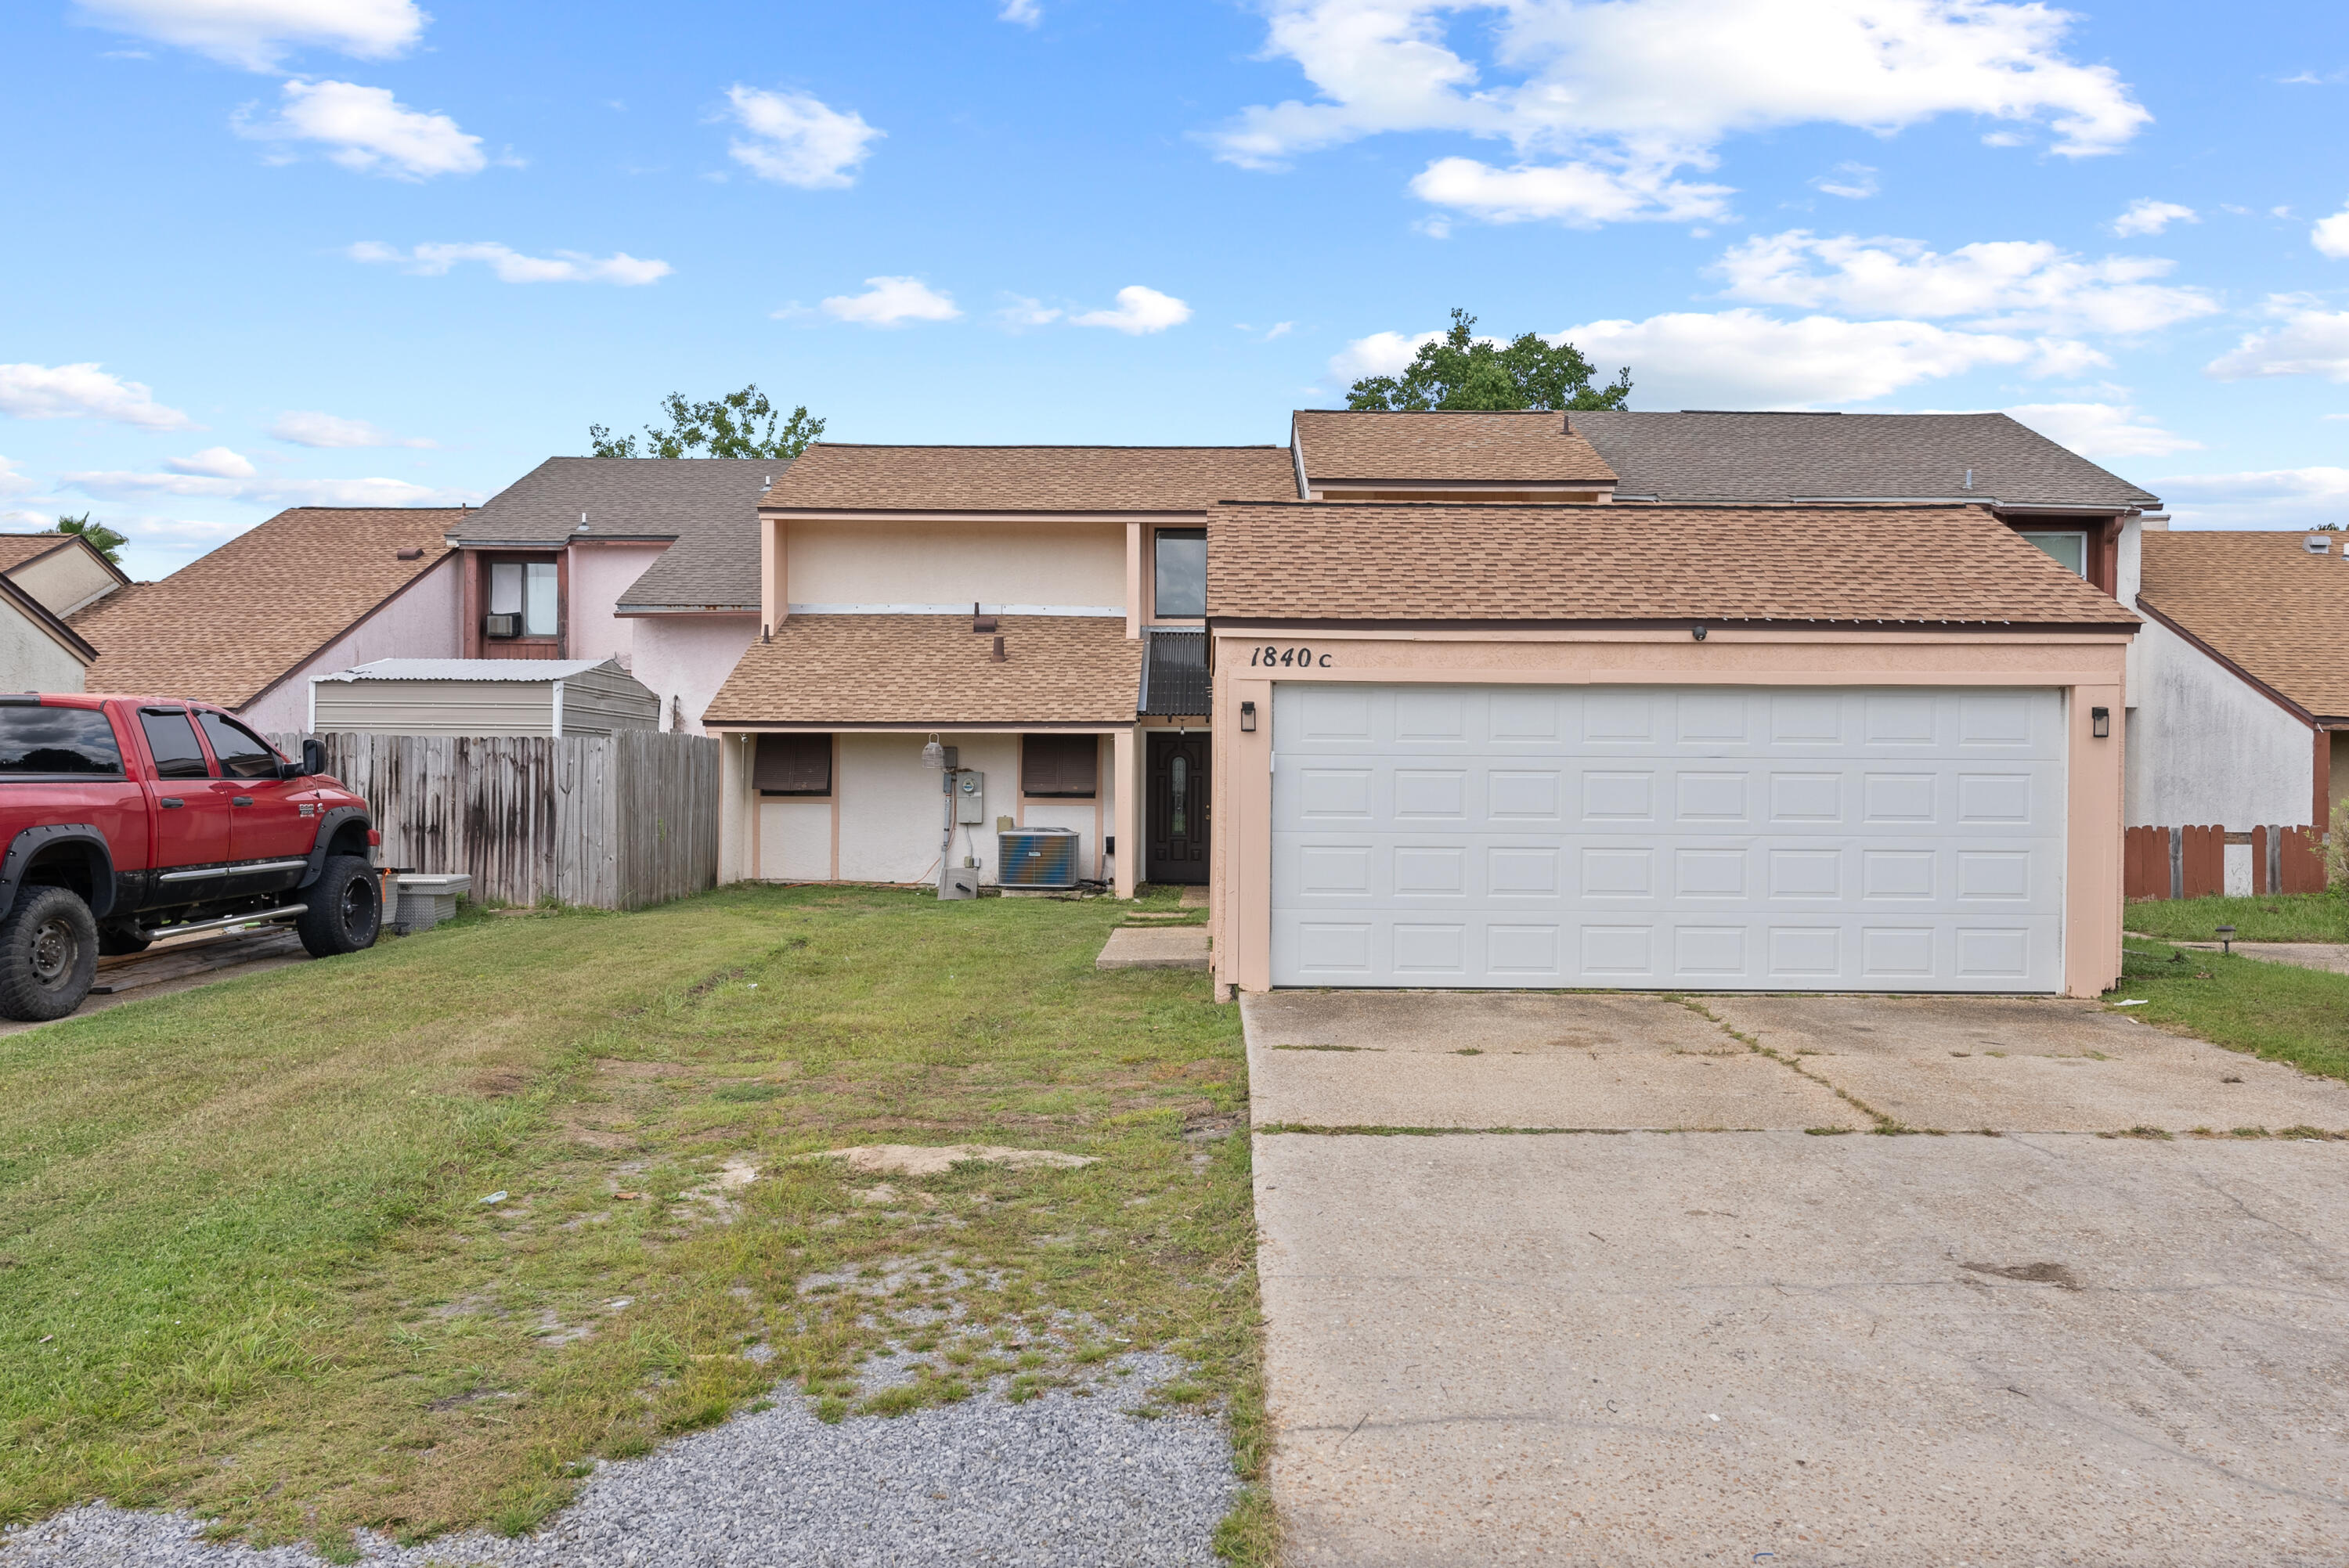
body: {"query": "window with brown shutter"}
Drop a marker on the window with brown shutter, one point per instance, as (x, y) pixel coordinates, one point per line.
(794, 765)
(1066, 765)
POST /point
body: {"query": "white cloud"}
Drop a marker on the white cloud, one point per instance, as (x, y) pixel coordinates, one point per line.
(2310, 343)
(1581, 194)
(1853, 181)
(2103, 430)
(313, 429)
(1024, 311)
(1139, 310)
(1380, 354)
(2331, 235)
(257, 34)
(796, 140)
(83, 392)
(511, 267)
(213, 462)
(117, 484)
(1746, 359)
(2008, 285)
(367, 131)
(893, 302)
(1027, 12)
(1639, 89)
(1279, 329)
(2148, 216)
(13, 483)
(2271, 498)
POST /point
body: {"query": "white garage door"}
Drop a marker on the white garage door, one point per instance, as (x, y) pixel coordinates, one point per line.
(1711, 838)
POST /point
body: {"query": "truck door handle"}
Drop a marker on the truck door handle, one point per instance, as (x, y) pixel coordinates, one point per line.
(169, 801)
(241, 801)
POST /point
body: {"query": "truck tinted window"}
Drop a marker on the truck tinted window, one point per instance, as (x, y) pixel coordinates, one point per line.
(172, 739)
(58, 740)
(241, 753)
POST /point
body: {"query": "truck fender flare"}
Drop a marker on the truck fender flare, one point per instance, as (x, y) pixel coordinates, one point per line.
(33, 840)
(329, 824)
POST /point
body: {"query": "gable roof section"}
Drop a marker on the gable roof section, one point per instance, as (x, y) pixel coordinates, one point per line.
(2260, 602)
(16, 548)
(623, 498)
(831, 478)
(229, 625)
(39, 614)
(1337, 444)
(844, 671)
(1699, 456)
(1416, 562)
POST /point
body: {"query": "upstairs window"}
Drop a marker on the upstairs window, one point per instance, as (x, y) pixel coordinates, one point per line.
(527, 589)
(2069, 551)
(74, 740)
(1180, 580)
(1064, 764)
(794, 765)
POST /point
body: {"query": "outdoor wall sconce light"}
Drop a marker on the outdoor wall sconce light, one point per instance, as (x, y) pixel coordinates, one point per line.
(1698, 633)
(2100, 723)
(1247, 719)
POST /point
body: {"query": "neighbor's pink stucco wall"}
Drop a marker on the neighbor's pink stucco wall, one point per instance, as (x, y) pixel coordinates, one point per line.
(2089, 668)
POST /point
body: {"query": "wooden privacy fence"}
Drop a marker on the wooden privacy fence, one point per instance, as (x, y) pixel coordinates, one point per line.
(617, 821)
(2191, 863)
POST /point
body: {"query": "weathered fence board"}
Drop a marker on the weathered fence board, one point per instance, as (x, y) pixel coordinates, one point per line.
(2191, 863)
(617, 821)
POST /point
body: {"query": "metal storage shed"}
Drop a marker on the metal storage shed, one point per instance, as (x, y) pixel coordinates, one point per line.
(483, 697)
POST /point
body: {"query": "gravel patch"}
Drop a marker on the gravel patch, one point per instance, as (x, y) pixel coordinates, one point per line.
(1063, 1481)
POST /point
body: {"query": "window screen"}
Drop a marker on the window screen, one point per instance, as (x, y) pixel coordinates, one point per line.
(1182, 572)
(1059, 765)
(58, 740)
(172, 739)
(240, 753)
(794, 765)
(541, 604)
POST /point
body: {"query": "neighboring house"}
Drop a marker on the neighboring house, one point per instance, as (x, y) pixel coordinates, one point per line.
(483, 697)
(2243, 680)
(313, 590)
(44, 578)
(1468, 719)
(652, 561)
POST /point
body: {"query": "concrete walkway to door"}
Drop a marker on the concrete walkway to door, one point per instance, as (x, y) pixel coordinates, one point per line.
(1762, 1343)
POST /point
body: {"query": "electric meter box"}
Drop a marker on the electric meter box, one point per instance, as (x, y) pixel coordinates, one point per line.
(971, 800)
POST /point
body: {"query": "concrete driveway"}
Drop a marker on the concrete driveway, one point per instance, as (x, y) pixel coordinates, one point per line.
(1739, 1340)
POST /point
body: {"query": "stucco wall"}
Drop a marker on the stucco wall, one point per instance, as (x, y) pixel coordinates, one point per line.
(794, 841)
(32, 660)
(1061, 564)
(65, 580)
(687, 659)
(421, 623)
(2206, 747)
(600, 574)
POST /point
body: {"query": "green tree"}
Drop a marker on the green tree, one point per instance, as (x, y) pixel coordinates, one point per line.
(98, 537)
(1457, 372)
(740, 425)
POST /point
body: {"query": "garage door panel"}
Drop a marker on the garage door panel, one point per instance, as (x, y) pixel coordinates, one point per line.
(1709, 838)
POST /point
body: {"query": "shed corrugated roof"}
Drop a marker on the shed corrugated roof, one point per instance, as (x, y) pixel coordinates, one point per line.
(470, 669)
(829, 478)
(1698, 455)
(2262, 603)
(1323, 561)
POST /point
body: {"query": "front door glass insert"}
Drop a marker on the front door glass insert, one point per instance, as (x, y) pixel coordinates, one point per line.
(1179, 795)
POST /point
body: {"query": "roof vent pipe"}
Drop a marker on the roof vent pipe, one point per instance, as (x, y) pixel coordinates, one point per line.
(1969, 479)
(2317, 544)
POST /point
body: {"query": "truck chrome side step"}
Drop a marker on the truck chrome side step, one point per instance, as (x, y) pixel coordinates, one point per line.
(284, 912)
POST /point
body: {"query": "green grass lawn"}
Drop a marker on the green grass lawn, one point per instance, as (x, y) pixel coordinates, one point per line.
(2280, 917)
(2277, 1012)
(245, 1268)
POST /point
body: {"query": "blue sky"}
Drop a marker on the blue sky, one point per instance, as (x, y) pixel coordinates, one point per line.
(274, 252)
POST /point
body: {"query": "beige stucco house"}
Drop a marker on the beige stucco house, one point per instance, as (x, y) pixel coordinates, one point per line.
(1476, 699)
(44, 579)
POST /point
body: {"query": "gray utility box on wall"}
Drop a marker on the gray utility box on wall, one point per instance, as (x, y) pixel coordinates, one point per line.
(970, 797)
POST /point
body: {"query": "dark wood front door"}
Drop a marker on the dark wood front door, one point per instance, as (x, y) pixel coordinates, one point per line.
(1177, 807)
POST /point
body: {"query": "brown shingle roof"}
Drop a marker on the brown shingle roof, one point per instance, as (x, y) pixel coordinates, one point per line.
(935, 670)
(15, 549)
(829, 478)
(1417, 562)
(228, 625)
(1340, 444)
(2264, 604)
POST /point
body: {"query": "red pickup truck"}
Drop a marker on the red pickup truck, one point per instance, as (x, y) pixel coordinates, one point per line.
(131, 819)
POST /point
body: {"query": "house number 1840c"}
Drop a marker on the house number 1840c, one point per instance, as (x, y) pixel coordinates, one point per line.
(1288, 658)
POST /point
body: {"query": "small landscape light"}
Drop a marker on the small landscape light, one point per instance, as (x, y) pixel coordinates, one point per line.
(2100, 723)
(1247, 719)
(2227, 939)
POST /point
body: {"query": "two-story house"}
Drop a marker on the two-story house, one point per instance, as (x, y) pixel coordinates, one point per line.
(1485, 702)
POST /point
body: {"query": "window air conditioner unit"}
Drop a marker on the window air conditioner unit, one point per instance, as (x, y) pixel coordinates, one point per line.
(502, 625)
(1037, 857)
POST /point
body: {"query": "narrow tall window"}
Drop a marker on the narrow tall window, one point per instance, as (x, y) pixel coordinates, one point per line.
(1181, 573)
(2069, 551)
(541, 607)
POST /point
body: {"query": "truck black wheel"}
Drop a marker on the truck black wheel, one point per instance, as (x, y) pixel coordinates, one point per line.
(118, 940)
(345, 911)
(49, 954)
